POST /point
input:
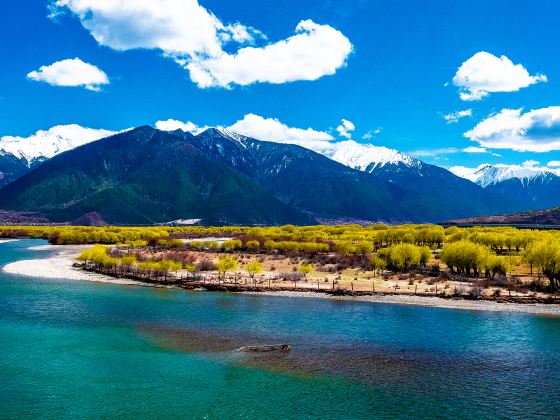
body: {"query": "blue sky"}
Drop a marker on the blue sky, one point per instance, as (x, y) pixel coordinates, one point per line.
(398, 79)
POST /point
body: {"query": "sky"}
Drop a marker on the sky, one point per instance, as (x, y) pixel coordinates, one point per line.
(455, 83)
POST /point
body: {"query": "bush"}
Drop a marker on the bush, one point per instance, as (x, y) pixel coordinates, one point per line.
(205, 265)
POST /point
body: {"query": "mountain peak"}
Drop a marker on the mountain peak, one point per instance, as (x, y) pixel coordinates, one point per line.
(487, 175)
(222, 132)
(45, 144)
(367, 157)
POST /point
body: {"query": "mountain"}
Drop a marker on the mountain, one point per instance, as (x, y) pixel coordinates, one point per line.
(367, 157)
(147, 176)
(19, 155)
(420, 192)
(11, 167)
(535, 217)
(306, 180)
(435, 190)
(144, 176)
(528, 186)
(488, 175)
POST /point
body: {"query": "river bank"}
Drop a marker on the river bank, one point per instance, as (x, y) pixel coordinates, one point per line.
(61, 265)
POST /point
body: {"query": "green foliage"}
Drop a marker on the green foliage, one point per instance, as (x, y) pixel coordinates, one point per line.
(497, 265)
(231, 244)
(224, 264)
(344, 248)
(253, 268)
(377, 263)
(465, 256)
(545, 255)
(305, 269)
(364, 247)
(170, 243)
(252, 244)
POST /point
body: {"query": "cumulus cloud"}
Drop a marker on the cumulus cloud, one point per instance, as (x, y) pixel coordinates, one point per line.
(71, 72)
(313, 52)
(48, 143)
(345, 129)
(272, 129)
(485, 73)
(172, 125)
(173, 26)
(195, 38)
(553, 164)
(457, 115)
(537, 130)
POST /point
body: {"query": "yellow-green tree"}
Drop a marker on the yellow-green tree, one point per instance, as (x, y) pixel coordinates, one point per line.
(253, 268)
(305, 269)
(377, 263)
(224, 264)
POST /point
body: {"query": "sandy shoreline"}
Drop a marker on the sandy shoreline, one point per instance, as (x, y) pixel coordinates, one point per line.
(60, 267)
(435, 302)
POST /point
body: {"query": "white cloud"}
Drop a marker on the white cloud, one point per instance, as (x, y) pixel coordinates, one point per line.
(345, 129)
(457, 115)
(241, 34)
(313, 52)
(71, 72)
(48, 143)
(553, 164)
(195, 38)
(435, 153)
(485, 73)
(172, 125)
(271, 129)
(173, 26)
(534, 131)
(474, 149)
(371, 134)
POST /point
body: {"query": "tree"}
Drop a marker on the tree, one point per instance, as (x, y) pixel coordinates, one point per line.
(305, 269)
(425, 255)
(465, 256)
(128, 261)
(377, 263)
(225, 263)
(190, 267)
(344, 248)
(253, 268)
(496, 265)
(231, 244)
(364, 247)
(545, 255)
(403, 256)
(252, 244)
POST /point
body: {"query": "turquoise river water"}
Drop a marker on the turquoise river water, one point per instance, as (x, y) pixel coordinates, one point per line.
(76, 349)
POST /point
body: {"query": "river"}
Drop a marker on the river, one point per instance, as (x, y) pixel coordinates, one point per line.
(78, 349)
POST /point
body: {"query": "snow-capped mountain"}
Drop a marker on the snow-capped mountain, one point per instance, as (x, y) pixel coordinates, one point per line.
(367, 157)
(19, 154)
(529, 186)
(45, 144)
(431, 189)
(488, 175)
